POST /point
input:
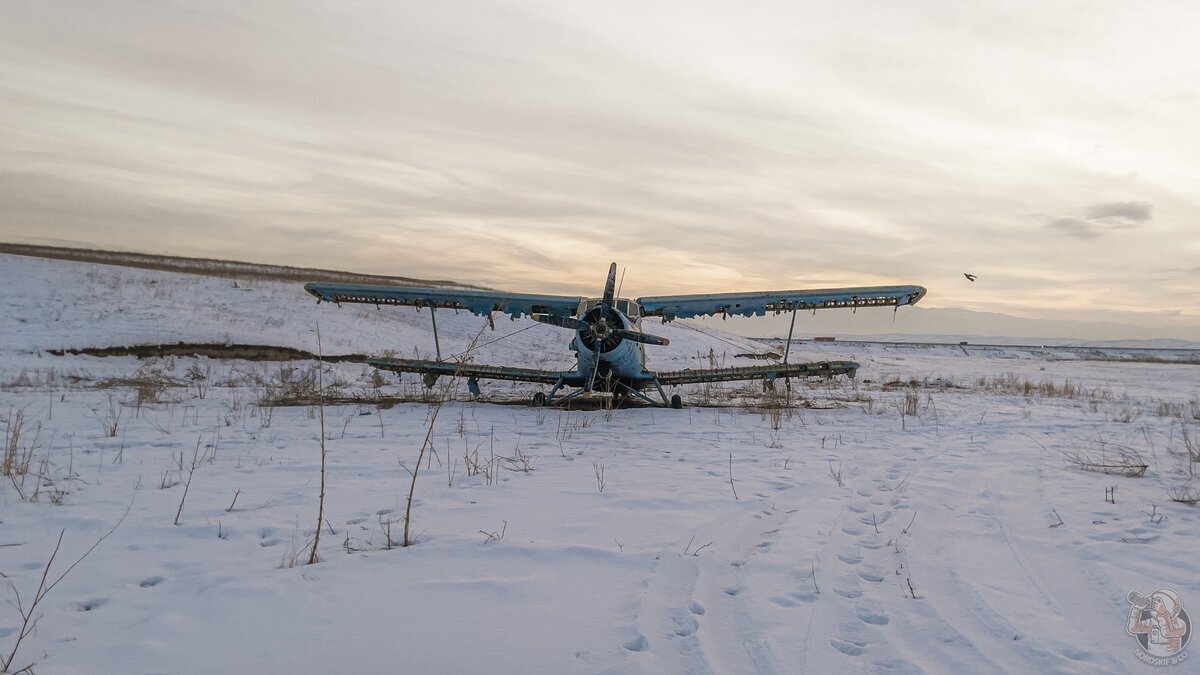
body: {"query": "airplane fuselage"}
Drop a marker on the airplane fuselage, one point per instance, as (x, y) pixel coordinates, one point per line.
(619, 359)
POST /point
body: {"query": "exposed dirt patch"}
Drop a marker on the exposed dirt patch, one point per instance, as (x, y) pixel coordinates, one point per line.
(212, 351)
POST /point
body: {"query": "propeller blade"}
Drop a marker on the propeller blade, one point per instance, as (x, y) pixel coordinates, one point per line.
(610, 286)
(644, 338)
(560, 321)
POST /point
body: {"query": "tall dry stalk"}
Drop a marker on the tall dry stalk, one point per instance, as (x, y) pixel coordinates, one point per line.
(29, 613)
(444, 394)
(312, 557)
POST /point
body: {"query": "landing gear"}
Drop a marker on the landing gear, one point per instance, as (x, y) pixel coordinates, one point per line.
(539, 400)
(677, 402)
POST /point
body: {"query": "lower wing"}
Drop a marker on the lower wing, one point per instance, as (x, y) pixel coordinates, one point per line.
(770, 372)
(433, 369)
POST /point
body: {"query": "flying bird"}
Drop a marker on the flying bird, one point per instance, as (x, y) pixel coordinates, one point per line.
(970, 277)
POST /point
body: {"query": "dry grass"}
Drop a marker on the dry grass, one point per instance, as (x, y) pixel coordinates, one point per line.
(1114, 460)
(1184, 494)
(1013, 385)
(149, 383)
(18, 447)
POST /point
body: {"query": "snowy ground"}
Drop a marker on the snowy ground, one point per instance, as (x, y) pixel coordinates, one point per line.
(853, 537)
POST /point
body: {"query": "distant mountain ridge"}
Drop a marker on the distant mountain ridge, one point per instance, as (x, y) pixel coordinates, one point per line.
(1019, 341)
(935, 323)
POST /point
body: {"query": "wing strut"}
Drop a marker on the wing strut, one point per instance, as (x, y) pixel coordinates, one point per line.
(436, 344)
(788, 346)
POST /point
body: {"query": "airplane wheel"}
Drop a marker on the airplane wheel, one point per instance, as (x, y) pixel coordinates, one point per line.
(539, 400)
(677, 402)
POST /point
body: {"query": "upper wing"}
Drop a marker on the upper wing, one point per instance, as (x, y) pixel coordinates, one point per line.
(477, 302)
(759, 303)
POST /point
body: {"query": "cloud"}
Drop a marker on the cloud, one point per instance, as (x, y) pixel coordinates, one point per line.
(1080, 229)
(1123, 212)
(1099, 219)
(525, 145)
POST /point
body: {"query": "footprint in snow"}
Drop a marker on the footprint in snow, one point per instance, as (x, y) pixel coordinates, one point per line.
(637, 644)
(876, 518)
(685, 626)
(850, 558)
(151, 582)
(848, 647)
(784, 601)
(89, 605)
(872, 615)
(868, 575)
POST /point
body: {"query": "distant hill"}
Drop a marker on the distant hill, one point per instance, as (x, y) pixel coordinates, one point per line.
(910, 323)
(931, 323)
(217, 268)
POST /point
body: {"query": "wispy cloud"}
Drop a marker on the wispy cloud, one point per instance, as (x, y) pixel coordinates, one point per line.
(1124, 212)
(1100, 219)
(525, 144)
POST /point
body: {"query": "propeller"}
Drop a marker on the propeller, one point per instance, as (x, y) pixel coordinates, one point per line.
(560, 321)
(644, 338)
(601, 328)
(610, 286)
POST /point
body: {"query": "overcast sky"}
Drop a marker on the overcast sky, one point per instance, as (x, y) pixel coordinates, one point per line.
(1051, 148)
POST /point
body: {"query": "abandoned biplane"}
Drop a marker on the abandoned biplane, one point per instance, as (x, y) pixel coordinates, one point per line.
(609, 343)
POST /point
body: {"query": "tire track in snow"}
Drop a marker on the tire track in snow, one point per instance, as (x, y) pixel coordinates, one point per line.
(696, 613)
(981, 584)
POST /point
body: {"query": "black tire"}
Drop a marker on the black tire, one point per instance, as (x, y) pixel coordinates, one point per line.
(539, 400)
(677, 402)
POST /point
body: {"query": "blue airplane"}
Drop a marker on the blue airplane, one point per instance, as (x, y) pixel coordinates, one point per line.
(609, 343)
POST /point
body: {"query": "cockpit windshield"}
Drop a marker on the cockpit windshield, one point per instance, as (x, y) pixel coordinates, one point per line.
(623, 305)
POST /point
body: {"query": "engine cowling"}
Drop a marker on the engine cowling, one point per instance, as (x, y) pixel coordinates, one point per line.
(598, 336)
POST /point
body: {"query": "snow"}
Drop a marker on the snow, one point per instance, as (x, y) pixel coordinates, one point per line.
(939, 551)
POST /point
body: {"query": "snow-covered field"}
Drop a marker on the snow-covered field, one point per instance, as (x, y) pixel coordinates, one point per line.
(923, 518)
